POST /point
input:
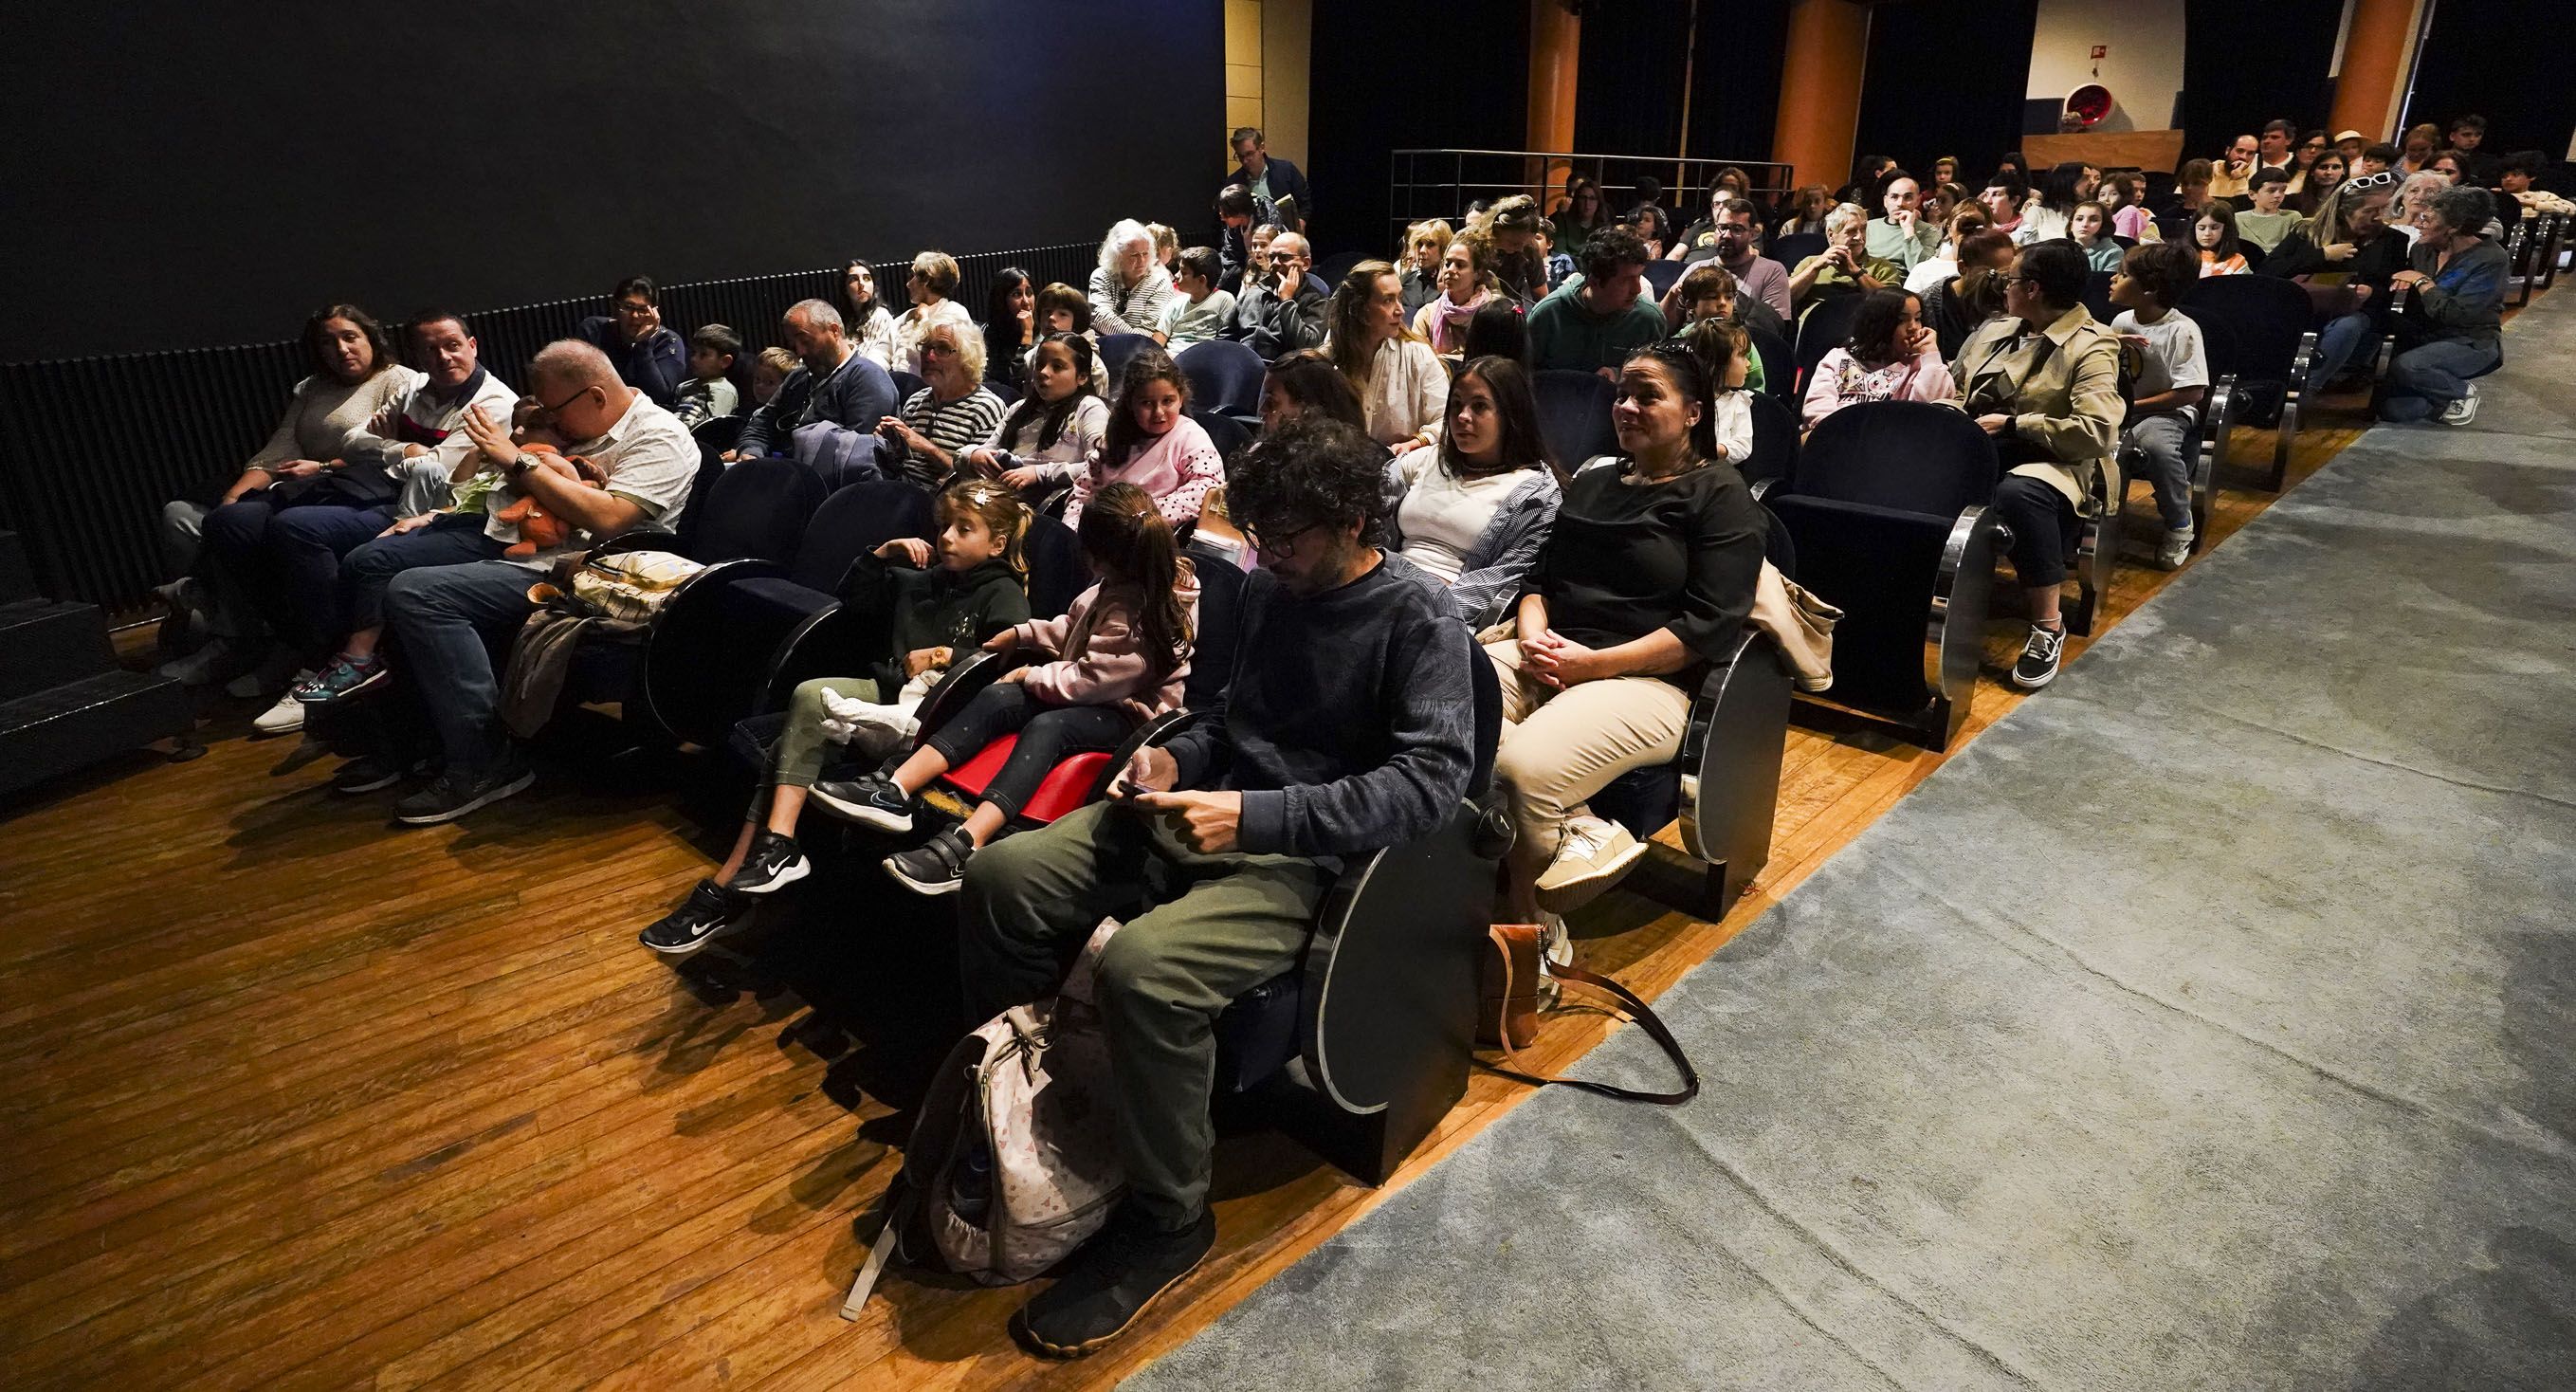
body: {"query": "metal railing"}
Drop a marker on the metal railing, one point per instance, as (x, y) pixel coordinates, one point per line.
(1442, 183)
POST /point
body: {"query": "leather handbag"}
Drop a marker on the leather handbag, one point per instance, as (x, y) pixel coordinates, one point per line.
(1507, 1018)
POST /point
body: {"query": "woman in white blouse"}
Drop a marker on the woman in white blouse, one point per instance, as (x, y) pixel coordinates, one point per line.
(933, 280)
(869, 322)
(1402, 383)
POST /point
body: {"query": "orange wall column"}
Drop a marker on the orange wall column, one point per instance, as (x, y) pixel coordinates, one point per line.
(2376, 51)
(1556, 41)
(1820, 77)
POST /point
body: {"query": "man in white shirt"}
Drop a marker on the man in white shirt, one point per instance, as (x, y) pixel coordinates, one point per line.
(446, 613)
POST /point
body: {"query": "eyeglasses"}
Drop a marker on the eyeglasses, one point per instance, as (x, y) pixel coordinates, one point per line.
(1281, 539)
(638, 308)
(547, 413)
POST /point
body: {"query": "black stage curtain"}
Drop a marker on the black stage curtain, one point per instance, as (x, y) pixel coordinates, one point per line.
(2243, 66)
(1387, 77)
(2506, 60)
(1630, 68)
(1946, 78)
(1735, 78)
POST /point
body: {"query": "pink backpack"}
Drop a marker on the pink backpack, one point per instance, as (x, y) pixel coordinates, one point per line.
(1031, 1089)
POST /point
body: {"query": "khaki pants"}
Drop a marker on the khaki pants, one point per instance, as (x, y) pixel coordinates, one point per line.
(1561, 747)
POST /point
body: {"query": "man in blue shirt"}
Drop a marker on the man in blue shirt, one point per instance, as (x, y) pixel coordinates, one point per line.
(1269, 181)
(648, 355)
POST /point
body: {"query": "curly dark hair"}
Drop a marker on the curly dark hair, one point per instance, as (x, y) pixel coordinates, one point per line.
(2163, 269)
(1609, 249)
(1312, 471)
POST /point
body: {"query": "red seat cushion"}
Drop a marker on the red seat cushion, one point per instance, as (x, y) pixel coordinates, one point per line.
(1066, 786)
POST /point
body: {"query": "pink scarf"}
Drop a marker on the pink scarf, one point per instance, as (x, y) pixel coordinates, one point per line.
(1449, 321)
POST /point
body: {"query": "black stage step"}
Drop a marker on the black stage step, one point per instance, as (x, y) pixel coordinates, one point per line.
(45, 643)
(63, 728)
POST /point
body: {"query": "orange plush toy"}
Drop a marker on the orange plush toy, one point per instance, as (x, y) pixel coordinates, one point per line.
(540, 530)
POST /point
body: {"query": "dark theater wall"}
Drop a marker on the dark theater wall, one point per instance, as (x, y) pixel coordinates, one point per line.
(190, 174)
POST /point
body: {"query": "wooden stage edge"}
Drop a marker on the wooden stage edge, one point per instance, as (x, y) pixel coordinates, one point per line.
(298, 1099)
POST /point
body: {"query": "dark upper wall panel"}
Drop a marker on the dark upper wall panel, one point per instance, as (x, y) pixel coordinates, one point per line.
(188, 174)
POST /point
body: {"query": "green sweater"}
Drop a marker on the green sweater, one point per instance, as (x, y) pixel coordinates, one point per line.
(1563, 334)
(934, 608)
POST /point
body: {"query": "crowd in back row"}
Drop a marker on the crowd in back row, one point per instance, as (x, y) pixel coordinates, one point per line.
(1400, 515)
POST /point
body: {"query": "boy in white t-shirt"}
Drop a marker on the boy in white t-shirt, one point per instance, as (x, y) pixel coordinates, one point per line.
(2172, 378)
(1195, 314)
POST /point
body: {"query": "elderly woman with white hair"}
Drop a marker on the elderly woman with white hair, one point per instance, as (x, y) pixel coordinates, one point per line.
(953, 412)
(1130, 289)
(2449, 328)
(1845, 267)
(932, 283)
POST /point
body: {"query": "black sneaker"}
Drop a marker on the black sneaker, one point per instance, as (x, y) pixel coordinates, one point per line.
(365, 774)
(2038, 665)
(710, 909)
(873, 802)
(1114, 1279)
(775, 862)
(937, 866)
(454, 793)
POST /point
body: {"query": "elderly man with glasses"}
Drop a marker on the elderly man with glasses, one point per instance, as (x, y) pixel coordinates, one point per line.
(1284, 313)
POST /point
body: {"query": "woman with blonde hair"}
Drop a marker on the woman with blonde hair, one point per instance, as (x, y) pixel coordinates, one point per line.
(1424, 244)
(933, 280)
(1129, 288)
(953, 410)
(1402, 383)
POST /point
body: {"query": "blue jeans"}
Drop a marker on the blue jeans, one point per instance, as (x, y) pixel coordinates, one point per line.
(2339, 343)
(2161, 449)
(305, 545)
(445, 615)
(454, 539)
(2424, 379)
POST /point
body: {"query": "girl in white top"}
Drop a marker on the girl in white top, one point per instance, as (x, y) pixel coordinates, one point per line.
(1723, 348)
(870, 326)
(933, 280)
(1475, 511)
(1049, 437)
(1402, 383)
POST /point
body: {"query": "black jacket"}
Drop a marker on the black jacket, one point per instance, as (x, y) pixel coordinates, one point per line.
(1273, 327)
(1285, 182)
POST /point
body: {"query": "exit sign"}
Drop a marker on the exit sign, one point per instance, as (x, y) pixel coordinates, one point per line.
(2101, 50)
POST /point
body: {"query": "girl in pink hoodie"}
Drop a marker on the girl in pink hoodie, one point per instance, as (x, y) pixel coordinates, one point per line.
(1085, 682)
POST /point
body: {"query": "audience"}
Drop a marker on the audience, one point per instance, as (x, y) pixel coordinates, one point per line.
(1707, 292)
(1737, 247)
(1307, 384)
(2233, 172)
(2046, 217)
(1269, 181)
(1472, 513)
(1903, 237)
(448, 615)
(1647, 575)
(1499, 330)
(2468, 133)
(1845, 267)
(2514, 180)
(1593, 324)
(2089, 227)
(2323, 177)
(1233, 248)
(1519, 267)
(2171, 377)
(1347, 724)
(2265, 223)
(1805, 212)
(769, 373)
(1466, 285)
(1128, 290)
(1954, 308)
(2044, 381)
(952, 411)
(2002, 198)
(1152, 443)
(2350, 242)
(832, 386)
(1082, 684)
(649, 356)
(355, 378)
(1580, 214)
(1010, 326)
(1284, 312)
(710, 392)
(1425, 243)
(938, 600)
(1400, 379)
(2448, 325)
(2213, 234)
(2126, 195)
(2378, 159)
(2273, 150)
(870, 325)
(1198, 311)
(2191, 194)
(1890, 356)
(933, 280)
(1963, 224)
(1051, 433)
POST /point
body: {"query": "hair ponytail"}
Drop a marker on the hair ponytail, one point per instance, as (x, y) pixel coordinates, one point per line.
(1131, 544)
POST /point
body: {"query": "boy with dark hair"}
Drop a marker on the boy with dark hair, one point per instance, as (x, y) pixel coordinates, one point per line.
(2377, 159)
(2265, 222)
(1200, 309)
(2171, 376)
(710, 392)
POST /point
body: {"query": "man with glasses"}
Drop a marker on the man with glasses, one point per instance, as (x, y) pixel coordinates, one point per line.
(1270, 181)
(837, 384)
(1287, 313)
(648, 356)
(1736, 244)
(1347, 724)
(448, 615)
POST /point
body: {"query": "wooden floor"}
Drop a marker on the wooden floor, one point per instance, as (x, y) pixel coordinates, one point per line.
(296, 1098)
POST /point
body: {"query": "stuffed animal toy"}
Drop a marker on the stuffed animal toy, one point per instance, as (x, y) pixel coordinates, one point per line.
(540, 530)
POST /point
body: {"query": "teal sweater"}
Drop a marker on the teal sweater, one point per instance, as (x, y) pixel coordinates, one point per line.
(1565, 335)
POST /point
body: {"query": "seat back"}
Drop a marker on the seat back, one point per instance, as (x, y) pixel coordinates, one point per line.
(905, 384)
(1332, 268)
(856, 520)
(1775, 441)
(1224, 376)
(2097, 296)
(1224, 431)
(716, 434)
(1661, 275)
(1212, 649)
(1794, 248)
(1574, 415)
(1117, 348)
(2218, 340)
(1779, 365)
(1825, 326)
(1008, 394)
(1057, 573)
(1880, 566)
(1909, 456)
(757, 510)
(2266, 315)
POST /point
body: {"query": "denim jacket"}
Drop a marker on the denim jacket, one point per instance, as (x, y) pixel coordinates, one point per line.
(1491, 576)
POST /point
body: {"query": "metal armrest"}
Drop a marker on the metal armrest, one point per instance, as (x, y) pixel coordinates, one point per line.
(834, 640)
(1153, 734)
(2217, 413)
(682, 632)
(953, 691)
(1762, 488)
(1730, 764)
(1954, 637)
(2290, 394)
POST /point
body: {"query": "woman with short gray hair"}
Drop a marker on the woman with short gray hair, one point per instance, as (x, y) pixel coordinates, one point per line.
(2451, 319)
(1129, 289)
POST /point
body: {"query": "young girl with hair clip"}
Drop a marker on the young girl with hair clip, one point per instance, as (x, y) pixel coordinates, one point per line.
(939, 600)
(1152, 442)
(2126, 195)
(1052, 431)
(1084, 682)
(1725, 352)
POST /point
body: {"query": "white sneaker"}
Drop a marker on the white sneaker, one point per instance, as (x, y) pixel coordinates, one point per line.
(2462, 411)
(1591, 858)
(2176, 549)
(287, 716)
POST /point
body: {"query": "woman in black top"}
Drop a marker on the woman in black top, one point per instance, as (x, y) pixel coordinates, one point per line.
(1647, 577)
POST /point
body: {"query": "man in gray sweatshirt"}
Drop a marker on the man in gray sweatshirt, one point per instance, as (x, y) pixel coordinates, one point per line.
(1348, 724)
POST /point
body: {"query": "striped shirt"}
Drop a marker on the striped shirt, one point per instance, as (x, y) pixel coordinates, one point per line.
(951, 425)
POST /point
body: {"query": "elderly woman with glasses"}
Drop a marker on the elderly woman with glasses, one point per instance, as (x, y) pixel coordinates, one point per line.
(953, 411)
